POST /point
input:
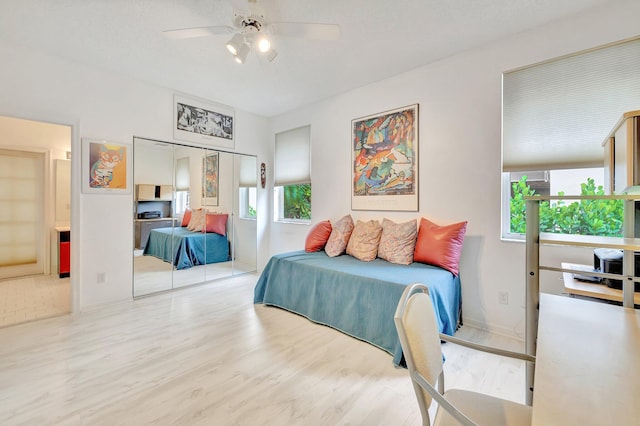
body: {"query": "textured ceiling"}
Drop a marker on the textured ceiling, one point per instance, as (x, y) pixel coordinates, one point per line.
(378, 39)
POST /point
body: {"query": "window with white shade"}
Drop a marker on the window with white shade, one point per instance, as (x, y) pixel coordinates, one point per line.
(21, 213)
(247, 191)
(557, 114)
(292, 175)
(183, 182)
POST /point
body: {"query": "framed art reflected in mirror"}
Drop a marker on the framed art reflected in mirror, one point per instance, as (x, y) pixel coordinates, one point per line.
(211, 175)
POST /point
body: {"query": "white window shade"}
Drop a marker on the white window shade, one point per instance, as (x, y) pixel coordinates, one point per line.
(292, 159)
(557, 114)
(21, 213)
(183, 179)
(248, 172)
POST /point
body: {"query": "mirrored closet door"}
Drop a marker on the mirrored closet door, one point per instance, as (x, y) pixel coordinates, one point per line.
(194, 215)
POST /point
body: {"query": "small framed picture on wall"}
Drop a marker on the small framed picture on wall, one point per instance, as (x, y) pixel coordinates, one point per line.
(106, 167)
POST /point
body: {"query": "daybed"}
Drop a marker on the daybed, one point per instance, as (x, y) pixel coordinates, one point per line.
(356, 297)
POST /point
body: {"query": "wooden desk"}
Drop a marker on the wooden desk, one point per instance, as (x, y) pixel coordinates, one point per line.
(587, 364)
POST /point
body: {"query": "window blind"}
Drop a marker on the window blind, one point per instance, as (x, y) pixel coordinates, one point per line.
(292, 157)
(557, 114)
(247, 172)
(21, 207)
(183, 179)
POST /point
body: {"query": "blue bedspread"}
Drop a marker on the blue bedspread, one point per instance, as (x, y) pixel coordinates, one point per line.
(355, 297)
(186, 248)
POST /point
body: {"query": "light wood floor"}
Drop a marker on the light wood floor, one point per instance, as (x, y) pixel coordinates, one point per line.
(207, 356)
(152, 275)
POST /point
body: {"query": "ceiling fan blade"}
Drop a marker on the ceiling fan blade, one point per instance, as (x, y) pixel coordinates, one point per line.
(198, 32)
(315, 31)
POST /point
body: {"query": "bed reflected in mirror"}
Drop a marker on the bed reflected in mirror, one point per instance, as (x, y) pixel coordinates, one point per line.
(194, 215)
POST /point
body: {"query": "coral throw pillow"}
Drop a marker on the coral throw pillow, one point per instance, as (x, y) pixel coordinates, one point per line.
(186, 218)
(339, 238)
(398, 241)
(364, 240)
(440, 245)
(317, 237)
(216, 223)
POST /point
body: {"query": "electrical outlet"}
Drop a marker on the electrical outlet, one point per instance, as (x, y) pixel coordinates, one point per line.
(503, 297)
(102, 277)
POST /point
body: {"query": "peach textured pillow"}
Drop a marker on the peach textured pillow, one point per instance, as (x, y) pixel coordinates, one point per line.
(317, 236)
(216, 223)
(398, 241)
(196, 223)
(440, 245)
(186, 217)
(363, 243)
(340, 233)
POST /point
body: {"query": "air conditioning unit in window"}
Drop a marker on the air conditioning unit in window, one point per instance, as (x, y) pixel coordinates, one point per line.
(532, 176)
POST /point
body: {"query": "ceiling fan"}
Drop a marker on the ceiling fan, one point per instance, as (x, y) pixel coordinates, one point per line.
(252, 30)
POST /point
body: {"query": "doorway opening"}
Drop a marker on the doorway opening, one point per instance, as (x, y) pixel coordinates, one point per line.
(35, 195)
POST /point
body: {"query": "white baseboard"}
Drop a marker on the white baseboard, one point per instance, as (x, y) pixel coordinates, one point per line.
(499, 330)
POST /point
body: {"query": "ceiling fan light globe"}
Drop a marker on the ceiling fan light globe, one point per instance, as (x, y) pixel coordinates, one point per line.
(242, 53)
(264, 45)
(271, 55)
(235, 44)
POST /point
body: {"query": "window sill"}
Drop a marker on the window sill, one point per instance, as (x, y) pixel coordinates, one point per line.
(293, 221)
(513, 238)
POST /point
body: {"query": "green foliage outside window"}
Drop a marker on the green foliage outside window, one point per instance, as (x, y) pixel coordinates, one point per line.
(252, 212)
(583, 217)
(297, 201)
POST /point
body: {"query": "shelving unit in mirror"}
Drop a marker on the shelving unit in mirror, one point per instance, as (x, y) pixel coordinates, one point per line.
(154, 209)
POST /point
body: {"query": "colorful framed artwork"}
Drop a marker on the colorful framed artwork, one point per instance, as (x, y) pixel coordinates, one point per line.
(384, 151)
(203, 122)
(105, 167)
(210, 172)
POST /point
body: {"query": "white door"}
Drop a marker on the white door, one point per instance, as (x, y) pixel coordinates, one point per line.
(21, 213)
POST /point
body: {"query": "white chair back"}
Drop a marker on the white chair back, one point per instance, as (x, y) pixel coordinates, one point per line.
(418, 331)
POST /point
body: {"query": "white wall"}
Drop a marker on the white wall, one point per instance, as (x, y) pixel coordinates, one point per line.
(460, 153)
(100, 104)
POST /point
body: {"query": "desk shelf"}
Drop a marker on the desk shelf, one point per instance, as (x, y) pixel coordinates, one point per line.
(590, 241)
(534, 239)
(599, 291)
